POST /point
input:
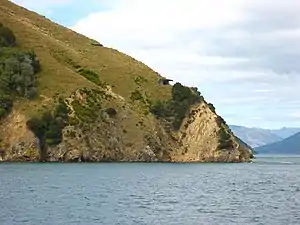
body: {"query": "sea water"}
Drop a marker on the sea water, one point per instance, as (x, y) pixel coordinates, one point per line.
(266, 191)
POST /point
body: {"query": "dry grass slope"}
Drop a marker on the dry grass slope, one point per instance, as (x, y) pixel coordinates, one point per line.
(60, 50)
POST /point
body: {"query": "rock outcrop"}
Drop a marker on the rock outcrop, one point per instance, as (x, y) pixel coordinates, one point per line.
(17, 142)
(106, 140)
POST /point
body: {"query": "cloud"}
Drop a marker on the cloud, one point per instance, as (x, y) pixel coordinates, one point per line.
(65, 12)
(242, 54)
(295, 115)
(263, 90)
(142, 23)
(45, 4)
(46, 7)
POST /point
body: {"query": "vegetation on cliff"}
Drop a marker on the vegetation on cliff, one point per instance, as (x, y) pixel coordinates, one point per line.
(7, 37)
(48, 128)
(225, 139)
(91, 76)
(18, 72)
(175, 109)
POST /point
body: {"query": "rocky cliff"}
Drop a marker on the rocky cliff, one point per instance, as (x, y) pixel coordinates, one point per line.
(90, 103)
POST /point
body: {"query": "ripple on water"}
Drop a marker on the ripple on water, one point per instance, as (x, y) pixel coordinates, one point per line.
(142, 194)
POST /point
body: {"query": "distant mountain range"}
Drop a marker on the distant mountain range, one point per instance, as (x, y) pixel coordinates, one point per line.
(290, 145)
(257, 137)
(286, 132)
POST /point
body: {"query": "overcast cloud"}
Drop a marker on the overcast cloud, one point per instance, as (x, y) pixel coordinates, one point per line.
(241, 54)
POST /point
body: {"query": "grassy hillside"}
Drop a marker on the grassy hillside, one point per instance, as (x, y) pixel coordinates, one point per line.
(62, 52)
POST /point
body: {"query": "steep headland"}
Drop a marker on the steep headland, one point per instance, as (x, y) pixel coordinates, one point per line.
(67, 98)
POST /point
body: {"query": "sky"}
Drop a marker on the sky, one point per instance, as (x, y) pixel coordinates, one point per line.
(241, 54)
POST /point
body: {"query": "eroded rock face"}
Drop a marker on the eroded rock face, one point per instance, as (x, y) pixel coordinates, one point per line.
(17, 142)
(199, 136)
(105, 140)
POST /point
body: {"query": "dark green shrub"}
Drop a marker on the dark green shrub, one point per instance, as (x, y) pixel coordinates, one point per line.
(175, 109)
(89, 109)
(73, 121)
(48, 128)
(7, 37)
(90, 75)
(17, 72)
(17, 75)
(225, 140)
(180, 92)
(111, 111)
(137, 96)
(62, 110)
(3, 113)
(158, 108)
(54, 133)
(35, 63)
(196, 91)
(224, 135)
(38, 127)
(6, 102)
(3, 42)
(140, 79)
(84, 112)
(6, 105)
(211, 107)
(47, 117)
(31, 93)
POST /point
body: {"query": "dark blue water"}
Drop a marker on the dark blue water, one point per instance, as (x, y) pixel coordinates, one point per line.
(264, 192)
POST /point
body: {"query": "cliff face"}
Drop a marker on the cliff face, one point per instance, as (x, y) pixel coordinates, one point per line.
(17, 142)
(200, 138)
(105, 138)
(96, 104)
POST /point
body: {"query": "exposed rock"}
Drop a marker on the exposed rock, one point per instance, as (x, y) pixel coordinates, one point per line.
(73, 156)
(97, 44)
(2, 155)
(18, 143)
(149, 155)
(164, 81)
(105, 140)
(22, 151)
(200, 140)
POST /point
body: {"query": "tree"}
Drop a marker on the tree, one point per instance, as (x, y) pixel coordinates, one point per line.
(35, 63)
(48, 128)
(18, 75)
(27, 74)
(175, 109)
